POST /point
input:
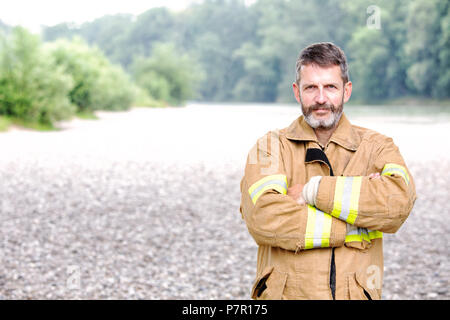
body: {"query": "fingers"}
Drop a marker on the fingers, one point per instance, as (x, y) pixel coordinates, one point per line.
(295, 191)
(301, 201)
(374, 175)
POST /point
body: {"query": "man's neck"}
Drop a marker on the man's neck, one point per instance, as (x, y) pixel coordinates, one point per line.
(324, 135)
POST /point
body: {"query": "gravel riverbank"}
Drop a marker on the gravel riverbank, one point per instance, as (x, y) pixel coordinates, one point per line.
(145, 205)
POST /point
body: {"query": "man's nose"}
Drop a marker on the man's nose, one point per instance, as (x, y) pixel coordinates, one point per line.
(320, 98)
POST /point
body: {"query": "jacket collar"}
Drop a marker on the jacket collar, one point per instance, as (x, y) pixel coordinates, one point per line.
(344, 135)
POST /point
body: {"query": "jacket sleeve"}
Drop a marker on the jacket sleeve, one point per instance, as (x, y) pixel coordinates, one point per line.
(272, 217)
(381, 204)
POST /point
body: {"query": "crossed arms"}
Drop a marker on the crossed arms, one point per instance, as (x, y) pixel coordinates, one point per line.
(350, 210)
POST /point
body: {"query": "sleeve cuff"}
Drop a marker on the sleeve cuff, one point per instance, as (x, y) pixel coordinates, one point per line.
(310, 190)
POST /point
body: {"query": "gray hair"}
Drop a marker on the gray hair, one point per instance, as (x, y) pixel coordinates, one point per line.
(322, 54)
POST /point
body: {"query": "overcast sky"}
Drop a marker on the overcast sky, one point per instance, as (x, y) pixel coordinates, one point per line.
(34, 13)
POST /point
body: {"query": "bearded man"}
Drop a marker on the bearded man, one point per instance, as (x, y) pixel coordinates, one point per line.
(318, 195)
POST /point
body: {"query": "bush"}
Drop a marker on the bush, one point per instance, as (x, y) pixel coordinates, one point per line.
(143, 99)
(41, 84)
(32, 86)
(113, 90)
(167, 75)
(98, 83)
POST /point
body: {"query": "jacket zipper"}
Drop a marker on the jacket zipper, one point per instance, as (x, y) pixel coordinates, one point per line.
(333, 264)
(333, 275)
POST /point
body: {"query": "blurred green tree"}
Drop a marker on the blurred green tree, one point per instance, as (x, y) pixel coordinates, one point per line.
(211, 32)
(98, 83)
(151, 27)
(32, 86)
(428, 47)
(167, 75)
(248, 53)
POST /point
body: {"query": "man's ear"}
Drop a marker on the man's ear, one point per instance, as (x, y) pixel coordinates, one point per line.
(296, 90)
(347, 91)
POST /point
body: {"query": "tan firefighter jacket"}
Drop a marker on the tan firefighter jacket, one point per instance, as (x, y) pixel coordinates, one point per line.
(333, 250)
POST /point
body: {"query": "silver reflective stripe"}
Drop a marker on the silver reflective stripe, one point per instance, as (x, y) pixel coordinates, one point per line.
(358, 231)
(353, 230)
(318, 228)
(346, 196)
(364, 231)
(278, 182)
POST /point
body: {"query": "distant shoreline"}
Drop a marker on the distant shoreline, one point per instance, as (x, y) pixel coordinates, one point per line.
(404, 108)
(405, 101)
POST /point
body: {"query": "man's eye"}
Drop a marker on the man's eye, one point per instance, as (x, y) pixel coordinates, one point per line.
(331, 86)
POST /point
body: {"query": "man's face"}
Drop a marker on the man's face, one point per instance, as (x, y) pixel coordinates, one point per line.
(322, 94)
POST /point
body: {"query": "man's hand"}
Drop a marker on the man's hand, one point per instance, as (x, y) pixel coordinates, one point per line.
(295, 192)
(374, 175)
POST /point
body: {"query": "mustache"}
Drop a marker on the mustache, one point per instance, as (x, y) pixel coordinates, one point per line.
(323, 106)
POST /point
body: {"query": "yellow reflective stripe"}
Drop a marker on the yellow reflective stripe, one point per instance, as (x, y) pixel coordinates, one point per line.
(318, 229)
(354, 200)
(346, 198)
(357, 237)
(326, 232)
(363, 234)
(353, 238)
(277, 182)
(392, 168)
(354, 234)
(375, 234)
(275, 187)
(310, 224)
(338, 191)
(260, 182)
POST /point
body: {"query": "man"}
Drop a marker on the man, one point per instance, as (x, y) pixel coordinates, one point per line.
(318, 195)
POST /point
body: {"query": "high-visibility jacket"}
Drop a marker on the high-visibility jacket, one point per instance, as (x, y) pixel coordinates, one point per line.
(335, 249)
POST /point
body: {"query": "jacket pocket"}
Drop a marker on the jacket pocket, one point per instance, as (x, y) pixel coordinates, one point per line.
(269, 285)
(358, 289)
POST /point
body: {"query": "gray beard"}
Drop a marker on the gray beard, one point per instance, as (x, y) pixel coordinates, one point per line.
(329, 123)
